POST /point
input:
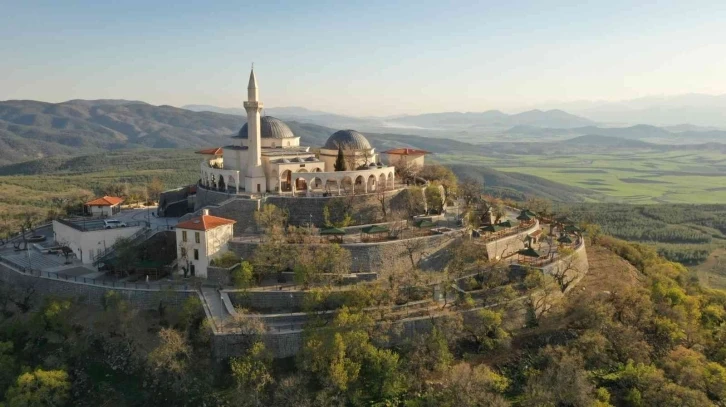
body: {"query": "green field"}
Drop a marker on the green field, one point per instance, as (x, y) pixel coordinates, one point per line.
(635, 177)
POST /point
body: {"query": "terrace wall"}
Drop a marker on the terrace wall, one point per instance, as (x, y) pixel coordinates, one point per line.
(509, 244)
(90, 294)
(375, 257)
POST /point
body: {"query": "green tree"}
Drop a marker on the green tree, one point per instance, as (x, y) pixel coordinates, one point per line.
(252, 372)
(339, 164)
(40, 388)
(243, 276)
(485, 329)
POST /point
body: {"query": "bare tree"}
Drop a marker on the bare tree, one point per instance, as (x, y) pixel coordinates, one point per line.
(470, 191)
(566, 271)
(415, 249)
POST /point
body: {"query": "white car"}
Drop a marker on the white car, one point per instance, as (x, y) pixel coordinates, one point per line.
(113, 224)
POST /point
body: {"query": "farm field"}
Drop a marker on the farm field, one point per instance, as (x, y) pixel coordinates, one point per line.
(639, 177)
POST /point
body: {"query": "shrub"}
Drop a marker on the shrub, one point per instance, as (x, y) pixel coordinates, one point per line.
(226, 260)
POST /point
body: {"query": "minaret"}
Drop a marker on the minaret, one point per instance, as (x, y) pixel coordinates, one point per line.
(255, 180)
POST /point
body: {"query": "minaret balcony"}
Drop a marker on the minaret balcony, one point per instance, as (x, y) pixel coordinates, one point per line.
(253, 105)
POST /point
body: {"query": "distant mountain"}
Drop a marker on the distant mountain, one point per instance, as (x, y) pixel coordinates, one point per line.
(696, 109)
(492, 119)
(637, 132)
(30, 129)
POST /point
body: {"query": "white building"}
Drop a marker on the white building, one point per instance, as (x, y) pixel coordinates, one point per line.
(201, 239)
(104, 206)
(406, 157)
(270, 159)
(89, 239)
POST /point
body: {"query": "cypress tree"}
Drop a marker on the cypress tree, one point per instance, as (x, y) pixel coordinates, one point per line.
(340, 161)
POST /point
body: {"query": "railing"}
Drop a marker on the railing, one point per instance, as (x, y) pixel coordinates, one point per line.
(117, 284)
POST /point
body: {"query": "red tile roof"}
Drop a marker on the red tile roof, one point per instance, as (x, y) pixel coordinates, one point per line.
(211, 151)
(406, 151)
(205, 222)
(105, 201)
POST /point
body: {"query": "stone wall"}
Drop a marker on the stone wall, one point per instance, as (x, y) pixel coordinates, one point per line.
(220, 275)
(510, 244)
(146, 299)
(273, 301)
(227, 206)
(377, 257)
(366, 207)
(577, 262)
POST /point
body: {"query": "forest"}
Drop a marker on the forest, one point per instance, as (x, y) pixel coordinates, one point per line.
(682, 233)
(658, 340)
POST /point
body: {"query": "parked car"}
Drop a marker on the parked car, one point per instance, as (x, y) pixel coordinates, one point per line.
(113, 224)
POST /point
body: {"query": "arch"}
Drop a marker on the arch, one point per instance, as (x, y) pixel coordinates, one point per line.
(382, 181)
(332, 186)
(391, 182)
(286, 181)
(318, 170)
(315, 183)
(360, 184)
(371, 183)
(302, 170)
(346, 184)
(301, 184)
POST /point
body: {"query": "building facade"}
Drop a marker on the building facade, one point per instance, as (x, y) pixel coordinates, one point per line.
(199, 240)
(105, 206)
(268, 158)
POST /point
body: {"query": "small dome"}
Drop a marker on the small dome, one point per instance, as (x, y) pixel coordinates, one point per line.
(270, 127)
(311, 159)
(296, 160)
(372, 165)
(347, 140)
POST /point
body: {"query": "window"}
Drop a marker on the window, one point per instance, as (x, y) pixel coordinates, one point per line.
(258, 187)
(196, 237)
(196, 254)
(184, 235)
(183, 251)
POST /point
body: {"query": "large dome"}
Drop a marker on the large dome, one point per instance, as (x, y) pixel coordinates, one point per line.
(347, 140)
(270, 128)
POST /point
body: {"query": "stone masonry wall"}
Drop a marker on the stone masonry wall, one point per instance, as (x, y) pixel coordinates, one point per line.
(92, 294)
(510, 244)
(366, 207)
(378, 257)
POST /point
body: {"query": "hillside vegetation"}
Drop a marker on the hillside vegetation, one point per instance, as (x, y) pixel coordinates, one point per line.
(30, 129)
(637, 331)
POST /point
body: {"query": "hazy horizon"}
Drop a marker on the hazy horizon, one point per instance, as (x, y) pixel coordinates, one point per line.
(376, 59)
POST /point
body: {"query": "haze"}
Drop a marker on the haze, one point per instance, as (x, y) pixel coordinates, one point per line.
(371, 58)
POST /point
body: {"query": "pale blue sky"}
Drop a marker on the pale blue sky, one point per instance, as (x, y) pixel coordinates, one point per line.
(368, 58)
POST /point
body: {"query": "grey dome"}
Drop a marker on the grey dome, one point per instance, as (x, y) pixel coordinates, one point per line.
(270, 127)
(347, 140)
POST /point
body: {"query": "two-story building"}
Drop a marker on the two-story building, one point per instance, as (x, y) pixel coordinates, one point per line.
(199, 240)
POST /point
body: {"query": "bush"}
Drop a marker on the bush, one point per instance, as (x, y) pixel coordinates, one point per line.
(243, 275)
(226, 260)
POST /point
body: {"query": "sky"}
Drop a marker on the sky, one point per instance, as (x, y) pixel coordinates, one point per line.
(365, 57)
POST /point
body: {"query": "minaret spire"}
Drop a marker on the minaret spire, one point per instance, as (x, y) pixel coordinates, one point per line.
(252, 91)
(255, 180)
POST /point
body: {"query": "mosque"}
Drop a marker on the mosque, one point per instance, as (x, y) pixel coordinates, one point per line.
(268, 159)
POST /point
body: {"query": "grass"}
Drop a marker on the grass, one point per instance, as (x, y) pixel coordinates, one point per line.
(74, 180)
(638, 177)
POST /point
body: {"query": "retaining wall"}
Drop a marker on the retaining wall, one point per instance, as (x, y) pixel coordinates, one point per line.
(376, 257)
(146, 299)
(366, 207)
(510, 244)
